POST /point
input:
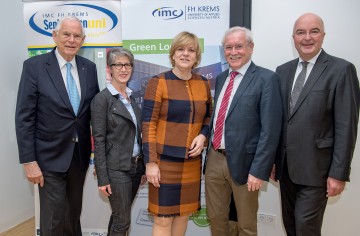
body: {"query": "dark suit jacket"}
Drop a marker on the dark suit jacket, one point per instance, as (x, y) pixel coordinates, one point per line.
(114, 134)
(45, 121)
(318, 139)
(253, 123)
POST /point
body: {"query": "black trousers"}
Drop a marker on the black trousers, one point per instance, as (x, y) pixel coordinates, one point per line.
(124, 187)
(61, 200)
(303, 207)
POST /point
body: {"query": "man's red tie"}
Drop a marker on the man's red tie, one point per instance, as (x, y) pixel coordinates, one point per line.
(222, 111)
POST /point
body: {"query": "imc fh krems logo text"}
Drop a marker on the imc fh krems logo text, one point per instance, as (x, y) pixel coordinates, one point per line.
(170, 13)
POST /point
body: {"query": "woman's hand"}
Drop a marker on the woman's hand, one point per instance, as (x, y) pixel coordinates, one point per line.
(106, 190)
(197, 146)
(153, 174)
(143, 180)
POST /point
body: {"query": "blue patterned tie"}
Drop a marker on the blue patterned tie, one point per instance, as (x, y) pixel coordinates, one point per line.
(72, 89)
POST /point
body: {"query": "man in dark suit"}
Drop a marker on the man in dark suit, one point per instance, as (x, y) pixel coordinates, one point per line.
(53, 129)
(320, 118)
(245, 132)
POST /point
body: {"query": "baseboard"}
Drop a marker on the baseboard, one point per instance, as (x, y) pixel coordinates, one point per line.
(8, 223)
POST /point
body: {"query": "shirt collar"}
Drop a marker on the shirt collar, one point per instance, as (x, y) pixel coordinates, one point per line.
(243, 69)
(114, 92)
(62, 61)
(312, 60)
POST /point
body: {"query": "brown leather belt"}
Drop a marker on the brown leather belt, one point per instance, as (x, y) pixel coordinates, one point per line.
(221, 151)
(137, 158)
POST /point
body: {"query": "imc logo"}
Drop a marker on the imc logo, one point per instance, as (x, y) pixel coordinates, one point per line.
(167, 13)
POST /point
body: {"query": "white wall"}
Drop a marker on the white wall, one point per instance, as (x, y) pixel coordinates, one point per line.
(16, 198)
(272, 23)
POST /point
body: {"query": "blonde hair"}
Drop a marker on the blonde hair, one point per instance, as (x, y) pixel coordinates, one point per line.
(184, 39)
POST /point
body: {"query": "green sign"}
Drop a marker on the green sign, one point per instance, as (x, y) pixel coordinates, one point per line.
(152, 46)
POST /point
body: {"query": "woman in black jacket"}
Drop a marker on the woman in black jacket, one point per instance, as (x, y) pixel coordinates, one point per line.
(116, 126)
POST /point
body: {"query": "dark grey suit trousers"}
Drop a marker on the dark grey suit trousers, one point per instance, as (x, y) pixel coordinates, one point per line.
(61, 200)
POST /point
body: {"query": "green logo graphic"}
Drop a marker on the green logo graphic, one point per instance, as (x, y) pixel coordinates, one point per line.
(200, 219)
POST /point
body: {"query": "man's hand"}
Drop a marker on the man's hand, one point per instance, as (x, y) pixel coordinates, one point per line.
(254, 183)
(334, 187)
(143, 180)
(273, 173)
(33, 173)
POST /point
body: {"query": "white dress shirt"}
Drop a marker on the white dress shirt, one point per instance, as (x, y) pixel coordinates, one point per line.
(309, 68)
(237, 82)
(62, 64)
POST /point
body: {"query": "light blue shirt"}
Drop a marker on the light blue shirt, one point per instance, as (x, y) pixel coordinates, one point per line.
(113, 91)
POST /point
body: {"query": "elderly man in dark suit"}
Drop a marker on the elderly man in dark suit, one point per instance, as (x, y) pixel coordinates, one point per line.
(320, 116)
(53, 127)
(245, 130)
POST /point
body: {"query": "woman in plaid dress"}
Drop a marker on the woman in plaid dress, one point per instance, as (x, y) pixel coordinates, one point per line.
(176, 116)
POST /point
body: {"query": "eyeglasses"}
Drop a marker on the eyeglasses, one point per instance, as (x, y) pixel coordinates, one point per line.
(119, 66)
(67, 36)
(303, 33)
(237, 47)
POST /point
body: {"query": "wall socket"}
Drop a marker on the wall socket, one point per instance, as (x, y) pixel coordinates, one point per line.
(266, 218)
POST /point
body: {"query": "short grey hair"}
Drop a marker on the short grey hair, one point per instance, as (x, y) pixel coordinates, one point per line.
(69, 18)
(248, 34)
(113, 53)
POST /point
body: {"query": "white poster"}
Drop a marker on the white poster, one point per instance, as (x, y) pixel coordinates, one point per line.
(149, 26)
(148, 29)
(101, 21)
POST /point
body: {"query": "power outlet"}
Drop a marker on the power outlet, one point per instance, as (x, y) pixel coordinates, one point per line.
(271, 219)
(266, 218)
(261, 218)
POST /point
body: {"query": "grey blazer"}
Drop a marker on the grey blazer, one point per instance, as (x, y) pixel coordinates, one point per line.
(318, 138)
(114, 134)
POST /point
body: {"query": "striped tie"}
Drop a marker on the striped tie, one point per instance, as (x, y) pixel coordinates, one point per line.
(72, 89)
(298, 86)
(219, 127)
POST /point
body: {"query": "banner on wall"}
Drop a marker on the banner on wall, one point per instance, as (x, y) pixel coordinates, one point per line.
(100, 20)
(161, 20)
(146, 28)
(150, 39)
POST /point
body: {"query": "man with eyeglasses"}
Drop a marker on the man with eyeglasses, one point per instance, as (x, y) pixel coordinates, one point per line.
(245, 130)
(53, 127)
(320, 118)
